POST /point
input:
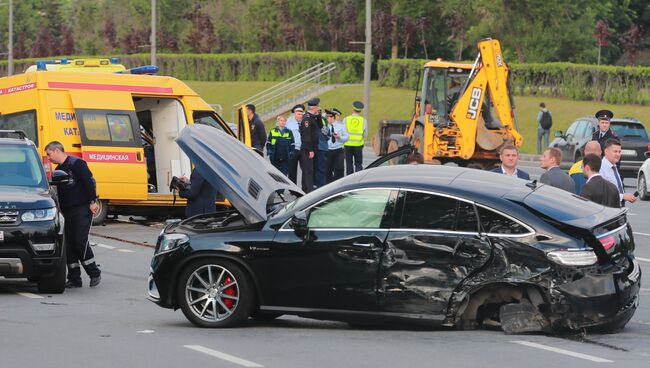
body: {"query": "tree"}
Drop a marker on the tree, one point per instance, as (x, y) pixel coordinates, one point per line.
(109, 34)
(601, 33)
(630, 41)
(67, 43)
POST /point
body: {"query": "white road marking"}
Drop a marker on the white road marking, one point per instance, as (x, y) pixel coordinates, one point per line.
(562, 351)
(641, 322)
(29, 295)
(104, 246)
(224, 356)
(146, 331)
(637, 233)
(126, 250)
(631, 214)
(642, 259)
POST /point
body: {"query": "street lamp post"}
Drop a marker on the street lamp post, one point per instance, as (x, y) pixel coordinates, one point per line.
(10, 43)
(367, 63)
(153, 32)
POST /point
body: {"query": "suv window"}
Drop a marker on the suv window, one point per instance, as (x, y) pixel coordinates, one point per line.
(20, 166)
(435, 212)
(494, 223)
(358, 209)
(572, 129)
(629, 130)
(25, 121)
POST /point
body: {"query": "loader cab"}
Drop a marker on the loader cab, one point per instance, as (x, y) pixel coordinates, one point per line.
(442, 84)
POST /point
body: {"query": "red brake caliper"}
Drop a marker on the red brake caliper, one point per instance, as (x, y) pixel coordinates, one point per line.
(229, 291)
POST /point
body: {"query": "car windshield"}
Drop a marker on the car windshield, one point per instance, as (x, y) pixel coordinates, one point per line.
(20, 166)
(629, 130)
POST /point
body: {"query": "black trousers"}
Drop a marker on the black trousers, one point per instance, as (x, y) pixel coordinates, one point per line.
(335, 164)
(307, 167)
(77, 226)
(293, 166)
(356, 153)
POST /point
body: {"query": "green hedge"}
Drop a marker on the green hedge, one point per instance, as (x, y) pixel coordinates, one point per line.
(269, 66)
(611, 84)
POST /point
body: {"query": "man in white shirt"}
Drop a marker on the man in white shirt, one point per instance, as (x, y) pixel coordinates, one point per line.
(509, 156)
(293, 124)
(609, 172)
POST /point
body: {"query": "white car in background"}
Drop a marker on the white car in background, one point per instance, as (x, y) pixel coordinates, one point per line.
(644, 178)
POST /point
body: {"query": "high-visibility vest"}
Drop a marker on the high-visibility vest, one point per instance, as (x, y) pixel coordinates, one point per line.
(275, 134)
(354, 124)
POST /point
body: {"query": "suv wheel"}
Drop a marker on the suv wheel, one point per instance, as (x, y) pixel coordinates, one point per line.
(578, 157)
(642, 187)
(215, 293)
(101, 214)
(54, 284)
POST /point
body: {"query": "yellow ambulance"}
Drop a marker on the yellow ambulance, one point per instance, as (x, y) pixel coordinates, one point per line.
(123, 122)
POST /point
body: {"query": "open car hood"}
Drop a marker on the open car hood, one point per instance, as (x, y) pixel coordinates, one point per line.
(244, 177)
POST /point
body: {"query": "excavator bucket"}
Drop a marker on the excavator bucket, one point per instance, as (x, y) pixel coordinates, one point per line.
(487, 139)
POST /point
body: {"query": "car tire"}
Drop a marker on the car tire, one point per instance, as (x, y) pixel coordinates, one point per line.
(102, 212)
(614, 326)
(54, 284)
(642, 187)
(215, 293)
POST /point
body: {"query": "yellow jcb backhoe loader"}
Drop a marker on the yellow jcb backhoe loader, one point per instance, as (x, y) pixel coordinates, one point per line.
(464, 114)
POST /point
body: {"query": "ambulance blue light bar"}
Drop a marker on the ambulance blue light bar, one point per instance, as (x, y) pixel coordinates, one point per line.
(147, 69)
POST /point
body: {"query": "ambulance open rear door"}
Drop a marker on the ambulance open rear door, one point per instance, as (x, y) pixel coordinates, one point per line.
(111, 143)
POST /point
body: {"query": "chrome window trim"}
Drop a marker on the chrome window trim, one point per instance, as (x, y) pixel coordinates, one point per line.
(397, 230)
(530, 232)
(612, 231)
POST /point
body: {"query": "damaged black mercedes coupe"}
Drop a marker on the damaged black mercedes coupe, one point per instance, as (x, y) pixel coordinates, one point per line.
(408, 243)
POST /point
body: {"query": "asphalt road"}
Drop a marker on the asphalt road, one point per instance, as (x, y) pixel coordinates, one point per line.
(113, 325)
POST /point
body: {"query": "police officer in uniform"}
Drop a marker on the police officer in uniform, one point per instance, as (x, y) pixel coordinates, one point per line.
(604, 132)
(78, 201)
(309, 134)
(357, 130)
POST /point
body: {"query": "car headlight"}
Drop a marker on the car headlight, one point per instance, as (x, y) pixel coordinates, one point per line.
(47, 214)
(169, 242)
(578, 257)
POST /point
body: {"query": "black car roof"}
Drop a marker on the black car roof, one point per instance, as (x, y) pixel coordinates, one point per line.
(16, 141)
(447, 179)
(614, 120)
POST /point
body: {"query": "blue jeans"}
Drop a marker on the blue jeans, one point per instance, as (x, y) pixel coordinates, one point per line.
(542, 133)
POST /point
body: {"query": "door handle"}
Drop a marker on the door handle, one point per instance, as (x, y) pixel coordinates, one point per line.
(359, 244)
(139, 156)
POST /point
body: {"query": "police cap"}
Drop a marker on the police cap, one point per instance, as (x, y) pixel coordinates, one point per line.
(314, 101)
(329, 112)
(336, 111)
(357, 105)
(298, 107)
(604, 115)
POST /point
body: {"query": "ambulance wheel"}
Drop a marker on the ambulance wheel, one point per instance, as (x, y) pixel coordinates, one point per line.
(101, 214)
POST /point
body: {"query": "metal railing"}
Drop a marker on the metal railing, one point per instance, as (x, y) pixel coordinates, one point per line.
(282, 96)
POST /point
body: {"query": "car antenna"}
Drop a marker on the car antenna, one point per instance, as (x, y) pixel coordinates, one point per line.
(532, 185)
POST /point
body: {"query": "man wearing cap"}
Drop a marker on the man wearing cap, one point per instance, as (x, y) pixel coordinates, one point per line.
(309, 132)
(604, 132)
(357, 131)
(258, 133)
(293, 124)
(335, 154)
(320, 160)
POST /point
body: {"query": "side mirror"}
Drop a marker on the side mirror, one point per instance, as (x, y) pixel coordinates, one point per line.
(299, 223)
(558, 134)
(59, 177)
(647, 154)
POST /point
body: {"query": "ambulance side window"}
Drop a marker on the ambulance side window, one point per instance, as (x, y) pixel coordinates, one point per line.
(111, 128)
(24, 120)
(208, 118)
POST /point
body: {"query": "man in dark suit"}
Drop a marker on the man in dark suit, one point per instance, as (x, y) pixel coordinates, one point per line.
(597, 189)
(604, 132)
(555, 176)
(509, 157)
(200, 195)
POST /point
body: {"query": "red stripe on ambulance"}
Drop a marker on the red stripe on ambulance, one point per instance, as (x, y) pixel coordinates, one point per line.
(110, 87)
(112, 157)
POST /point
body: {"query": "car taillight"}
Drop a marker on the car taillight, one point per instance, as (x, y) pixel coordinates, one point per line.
(47, 165)
(608, 242)
(648, 149)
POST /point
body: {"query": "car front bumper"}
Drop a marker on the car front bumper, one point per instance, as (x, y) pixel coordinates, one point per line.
(19, 254)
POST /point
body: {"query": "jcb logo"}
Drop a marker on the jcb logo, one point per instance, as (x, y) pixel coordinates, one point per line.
(474, 103)
(499, 60)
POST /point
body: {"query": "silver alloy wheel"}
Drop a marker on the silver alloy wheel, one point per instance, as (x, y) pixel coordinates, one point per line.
(212, 293)
(642, 187)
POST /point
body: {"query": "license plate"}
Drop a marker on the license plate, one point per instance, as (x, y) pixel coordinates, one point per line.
(2, 236)
(628, 153)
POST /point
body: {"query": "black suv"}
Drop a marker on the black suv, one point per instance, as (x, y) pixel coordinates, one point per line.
(631, 132)
(31, 226)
